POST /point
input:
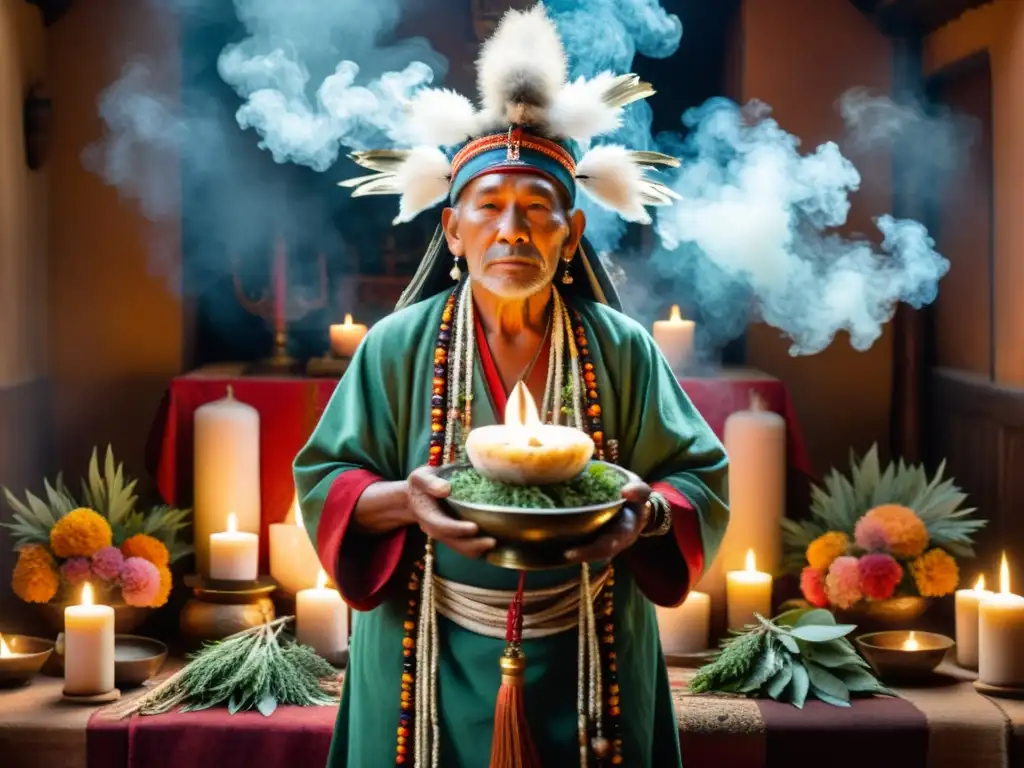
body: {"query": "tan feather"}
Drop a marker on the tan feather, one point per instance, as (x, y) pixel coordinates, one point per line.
(626, 89)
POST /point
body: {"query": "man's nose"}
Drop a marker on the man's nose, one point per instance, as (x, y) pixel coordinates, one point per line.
(512, 228)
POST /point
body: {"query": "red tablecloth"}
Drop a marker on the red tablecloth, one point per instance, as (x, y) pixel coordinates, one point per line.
(290, 407)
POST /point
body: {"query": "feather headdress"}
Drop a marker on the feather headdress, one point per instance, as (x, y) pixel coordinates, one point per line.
(528, 114)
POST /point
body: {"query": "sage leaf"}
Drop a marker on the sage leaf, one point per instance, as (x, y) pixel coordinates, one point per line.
(267, 704)
(789, 643)
(767, 664)
(233, 705)
(816, 616)
(779, 682)
(824, 680)
(862, 681)
(831, 654)
(829, 698)
(821, 634)
(800, 684)
(789, 618)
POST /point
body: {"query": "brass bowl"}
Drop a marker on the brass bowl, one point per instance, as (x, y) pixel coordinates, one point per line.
(893, 612)
(136, 660)
(533, 538)
(885, 653)
(30, 653)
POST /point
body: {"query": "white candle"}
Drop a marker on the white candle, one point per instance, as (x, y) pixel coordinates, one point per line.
(685, 628)
(321, 619)
(1001, 635)
(346, 337)
(294, 563)
(227, 471)
(675, 339)
(88, 647)
(234, 554)
(747, 592)
(967, 604)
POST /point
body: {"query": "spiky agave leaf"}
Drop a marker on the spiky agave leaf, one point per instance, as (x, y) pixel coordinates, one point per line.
(107, 493)
(34, 519)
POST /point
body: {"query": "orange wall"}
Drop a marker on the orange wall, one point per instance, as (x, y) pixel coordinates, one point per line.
(998, 29)
(115, 329)
(799, 56)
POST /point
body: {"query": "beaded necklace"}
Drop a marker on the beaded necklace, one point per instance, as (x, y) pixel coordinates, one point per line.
(600, 728)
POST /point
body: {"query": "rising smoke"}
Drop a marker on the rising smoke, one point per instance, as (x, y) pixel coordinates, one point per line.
(756, 235)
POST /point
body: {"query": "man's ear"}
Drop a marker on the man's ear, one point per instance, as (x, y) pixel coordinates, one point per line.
(450, 225)
(577, 223)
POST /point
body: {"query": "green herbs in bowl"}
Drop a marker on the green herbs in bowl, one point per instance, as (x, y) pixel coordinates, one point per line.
(599, 483)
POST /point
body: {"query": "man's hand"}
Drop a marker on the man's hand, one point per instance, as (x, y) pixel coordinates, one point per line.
(424, 487)
(623, 530)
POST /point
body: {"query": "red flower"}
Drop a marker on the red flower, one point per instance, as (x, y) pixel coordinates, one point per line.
(812, 584)
(879, 575)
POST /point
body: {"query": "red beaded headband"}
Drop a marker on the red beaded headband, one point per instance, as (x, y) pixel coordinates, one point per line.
(513, 141)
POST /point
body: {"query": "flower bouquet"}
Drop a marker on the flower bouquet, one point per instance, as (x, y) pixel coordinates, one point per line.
(102, 537)
(880, 540)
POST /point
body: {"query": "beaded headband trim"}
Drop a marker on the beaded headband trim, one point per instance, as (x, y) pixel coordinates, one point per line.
(513, 142)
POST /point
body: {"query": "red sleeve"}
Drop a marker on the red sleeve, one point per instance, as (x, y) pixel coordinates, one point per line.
(362, 566)
(667, 567)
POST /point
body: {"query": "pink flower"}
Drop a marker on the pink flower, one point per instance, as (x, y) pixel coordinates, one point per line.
(76, 570)
(812, 584)
(107, 562)
(140, 581)
(871, 535)
(879, 575)
(842, 584)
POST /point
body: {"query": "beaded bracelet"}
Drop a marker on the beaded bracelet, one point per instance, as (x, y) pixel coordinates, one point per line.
(659, 521)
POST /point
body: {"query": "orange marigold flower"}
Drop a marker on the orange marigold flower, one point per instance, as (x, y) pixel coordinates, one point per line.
(36, 579)
(826, 548)
(903, 531)
(80, 533)
(166, 582)
(148, 548)
(935, 573)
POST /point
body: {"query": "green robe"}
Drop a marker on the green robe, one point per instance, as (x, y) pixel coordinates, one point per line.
(379, 420)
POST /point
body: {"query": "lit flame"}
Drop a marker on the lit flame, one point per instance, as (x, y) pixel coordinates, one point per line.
(232, 523)
(674, 316)
(87, 594)
(911, 644)
(521, 409)
(4, 650)
(1004, 576)
(979, 585)
(321, 579)
(348, 319)
(751, 562)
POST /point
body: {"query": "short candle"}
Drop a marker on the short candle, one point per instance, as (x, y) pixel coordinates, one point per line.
(346, 337)
(686, 628)
(747, 592)
(321, 619)
(1001, 635)
(234, 554)
(968, 601)
(88, 647)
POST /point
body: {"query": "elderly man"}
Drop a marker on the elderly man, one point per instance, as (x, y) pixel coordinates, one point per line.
(509, 291)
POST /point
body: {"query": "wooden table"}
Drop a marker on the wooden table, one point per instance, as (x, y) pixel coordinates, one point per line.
(944, 725)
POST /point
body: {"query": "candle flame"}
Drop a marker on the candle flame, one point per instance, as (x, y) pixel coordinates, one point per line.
(232, 523)
(751, 562)
(1004, 576)
(87, 594)
(4, 650)
(348, 319)
(911, 644)
(979, 585)
(521, 409)
(675, 316)
(321, 579)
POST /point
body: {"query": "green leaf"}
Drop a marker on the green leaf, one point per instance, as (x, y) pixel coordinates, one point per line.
(267, 704)
(781, 679)
(825, 681)
(821, 634)
(789, 618)
(862, 681)
(767, 664)
(828, 698)
(833, 654)
(800, 685)
(816, 616)
(789, 643)
(234, 705)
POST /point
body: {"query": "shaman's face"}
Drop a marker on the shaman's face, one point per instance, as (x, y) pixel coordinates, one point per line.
(512, 229)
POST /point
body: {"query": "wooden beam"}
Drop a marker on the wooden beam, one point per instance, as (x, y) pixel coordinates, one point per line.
(52, 9)
(914, 17)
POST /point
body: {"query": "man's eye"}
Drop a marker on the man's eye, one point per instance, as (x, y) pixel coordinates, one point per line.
(538, 207)
(489, 206)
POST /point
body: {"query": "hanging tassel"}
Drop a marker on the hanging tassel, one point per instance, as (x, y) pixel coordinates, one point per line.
(512, 746)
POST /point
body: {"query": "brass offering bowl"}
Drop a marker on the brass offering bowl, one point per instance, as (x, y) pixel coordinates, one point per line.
(222, 608)
(533, 538)
(28, 654)
(891, 660)
(136, 660)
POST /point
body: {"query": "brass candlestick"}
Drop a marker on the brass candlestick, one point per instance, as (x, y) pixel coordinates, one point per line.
(220, 609)
(277, 307)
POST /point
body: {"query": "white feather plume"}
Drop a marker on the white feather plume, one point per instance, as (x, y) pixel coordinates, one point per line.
(442, 117)
(421, 175)
(615, 177)
(521, 68)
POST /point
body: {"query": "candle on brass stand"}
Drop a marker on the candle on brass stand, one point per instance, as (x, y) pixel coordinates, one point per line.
(234, 554)
(968, 602)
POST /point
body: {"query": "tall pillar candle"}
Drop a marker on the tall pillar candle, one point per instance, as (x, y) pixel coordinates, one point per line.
(88, 647)
(321, 619)
(227, 471)
(674, 338)
(1001, 635)
(747, 592)
(968, 602)
(685, 628)
(294, 563)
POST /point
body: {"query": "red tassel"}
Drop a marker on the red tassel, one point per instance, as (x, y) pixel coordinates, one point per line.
(512, 745)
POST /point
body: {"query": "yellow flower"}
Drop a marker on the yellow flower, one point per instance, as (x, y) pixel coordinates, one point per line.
(80, 533)
(826, 548)
(148, 548)
(35, 574)
(166, 583)
(903, 532)
(935, 573)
